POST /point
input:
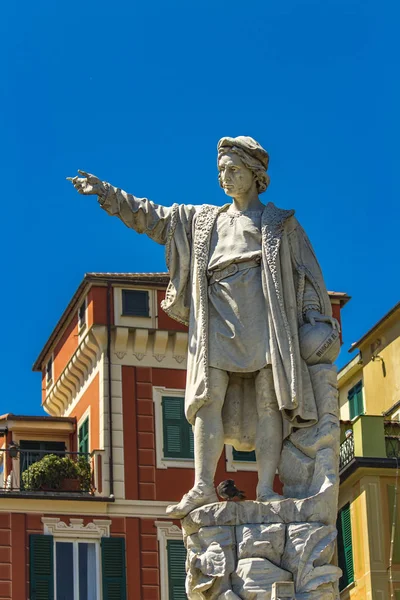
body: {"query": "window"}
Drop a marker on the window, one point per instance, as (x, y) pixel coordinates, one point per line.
(244, 456)
(178, 433)
(70, 569)
(49, 370)
(356, 402)
(176, 569)
(76, 570)
(82, 315)
(83, 436)
(345, 547)
(135, 303)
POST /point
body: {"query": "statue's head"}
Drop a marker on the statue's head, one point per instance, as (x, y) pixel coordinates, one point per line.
(242, 162)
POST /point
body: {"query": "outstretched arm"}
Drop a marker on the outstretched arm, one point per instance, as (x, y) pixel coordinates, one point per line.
(139, 214)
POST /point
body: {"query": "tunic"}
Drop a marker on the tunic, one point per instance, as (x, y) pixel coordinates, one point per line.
(238, 337)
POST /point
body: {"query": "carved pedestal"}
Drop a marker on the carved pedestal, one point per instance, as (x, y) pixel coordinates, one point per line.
(239, 550)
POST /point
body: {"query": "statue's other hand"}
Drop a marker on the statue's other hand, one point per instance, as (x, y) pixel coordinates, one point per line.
(88, 184)
(313, 316)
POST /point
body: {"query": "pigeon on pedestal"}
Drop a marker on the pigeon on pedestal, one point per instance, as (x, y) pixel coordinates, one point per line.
(228, 491)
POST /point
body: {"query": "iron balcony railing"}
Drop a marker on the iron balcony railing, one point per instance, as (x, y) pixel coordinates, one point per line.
(346, 451)
(45, 472)
(392, 439)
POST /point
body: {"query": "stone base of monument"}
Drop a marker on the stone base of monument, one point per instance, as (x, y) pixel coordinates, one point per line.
(249, 550)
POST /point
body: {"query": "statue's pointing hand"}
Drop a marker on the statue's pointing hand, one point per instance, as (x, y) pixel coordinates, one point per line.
(88, 184)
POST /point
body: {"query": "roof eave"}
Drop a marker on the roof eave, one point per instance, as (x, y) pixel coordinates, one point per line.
(366, 335)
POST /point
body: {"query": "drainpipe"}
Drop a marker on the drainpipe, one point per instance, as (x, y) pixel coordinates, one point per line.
(110, 430)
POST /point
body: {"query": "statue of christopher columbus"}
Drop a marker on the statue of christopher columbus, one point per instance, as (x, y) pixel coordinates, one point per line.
(245, 280)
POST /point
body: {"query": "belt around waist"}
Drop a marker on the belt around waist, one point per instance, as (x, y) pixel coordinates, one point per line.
(220, 274)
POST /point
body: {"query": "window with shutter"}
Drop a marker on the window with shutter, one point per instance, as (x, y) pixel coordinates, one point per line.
(113, 568)
(176, 569)
(178, 433)
(135, 303)
(82, 315)
(345, 547)
(244, 456)
(356, 402)
(84, 436)
(49, 370)
(41, 567)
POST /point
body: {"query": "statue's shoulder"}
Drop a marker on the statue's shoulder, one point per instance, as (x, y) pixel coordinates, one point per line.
(273, 216)
(208, 212)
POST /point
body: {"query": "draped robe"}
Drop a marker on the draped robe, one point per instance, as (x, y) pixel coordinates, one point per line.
(292, 284)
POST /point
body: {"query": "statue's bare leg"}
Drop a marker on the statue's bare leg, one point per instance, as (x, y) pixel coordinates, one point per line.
(268, 436)
(208, 446)
(209, 432)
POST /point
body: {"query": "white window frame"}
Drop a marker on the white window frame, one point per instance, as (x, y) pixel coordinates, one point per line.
(83, 418)
(166, 530)
(74, 533)
(164, 462)
(75, 562)
(131, 320)
(233, 466)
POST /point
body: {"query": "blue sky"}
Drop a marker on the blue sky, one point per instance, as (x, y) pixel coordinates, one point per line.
(139, 94)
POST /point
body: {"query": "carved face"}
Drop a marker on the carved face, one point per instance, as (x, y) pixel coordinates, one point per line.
(236, 178)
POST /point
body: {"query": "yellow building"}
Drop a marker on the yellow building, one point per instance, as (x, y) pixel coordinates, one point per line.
(369, 497)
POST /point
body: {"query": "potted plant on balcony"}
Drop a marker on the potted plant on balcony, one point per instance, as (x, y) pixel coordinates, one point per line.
(58, 473)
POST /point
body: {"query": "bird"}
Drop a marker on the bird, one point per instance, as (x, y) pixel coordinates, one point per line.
(228, 490)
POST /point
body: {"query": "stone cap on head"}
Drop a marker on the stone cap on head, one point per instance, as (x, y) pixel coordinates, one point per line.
(248, 145)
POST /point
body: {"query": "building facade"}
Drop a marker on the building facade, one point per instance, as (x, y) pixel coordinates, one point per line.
(113, 378)
(369, 500)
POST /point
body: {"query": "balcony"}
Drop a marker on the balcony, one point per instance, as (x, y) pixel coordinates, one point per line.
(370, 437)
(346, 451)
(55, 474)
(392, 439)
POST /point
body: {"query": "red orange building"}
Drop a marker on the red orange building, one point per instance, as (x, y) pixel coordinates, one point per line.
(113, 353)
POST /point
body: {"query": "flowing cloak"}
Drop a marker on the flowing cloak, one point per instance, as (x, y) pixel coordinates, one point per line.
(292, 284)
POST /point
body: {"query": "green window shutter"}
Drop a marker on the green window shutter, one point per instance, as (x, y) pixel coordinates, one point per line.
(113, 568)
(176, 569)
(244, 456)
(41, 567)
(178, 433)
(391, 490)
(84, 436)
(345, 547)
(356, 402)
(359, 396)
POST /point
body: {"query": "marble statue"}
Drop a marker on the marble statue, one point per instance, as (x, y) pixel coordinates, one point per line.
(262, 339)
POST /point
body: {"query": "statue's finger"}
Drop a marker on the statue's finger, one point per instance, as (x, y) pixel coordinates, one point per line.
(84, 173)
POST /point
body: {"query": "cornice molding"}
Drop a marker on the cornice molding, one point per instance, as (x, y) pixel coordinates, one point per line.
(76, 372)
(98, 528)
(167, 529)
